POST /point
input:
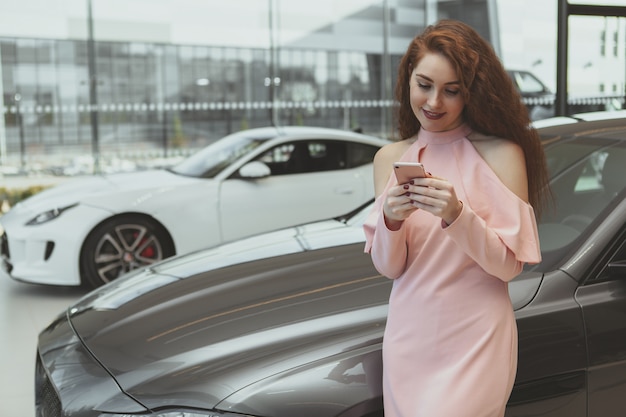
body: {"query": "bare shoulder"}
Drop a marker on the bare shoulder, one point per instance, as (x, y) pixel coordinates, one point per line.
(506, 159)
(392, 151)
(383, 162)
(497, 151)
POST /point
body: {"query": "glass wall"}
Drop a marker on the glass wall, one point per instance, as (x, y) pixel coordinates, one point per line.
(162, 99)
(153, 91)
(599, 72)
(168, 77)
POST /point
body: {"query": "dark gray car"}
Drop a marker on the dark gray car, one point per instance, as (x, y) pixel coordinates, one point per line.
(290, 323)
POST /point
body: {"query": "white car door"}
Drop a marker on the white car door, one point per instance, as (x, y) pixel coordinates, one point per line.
(309, 182)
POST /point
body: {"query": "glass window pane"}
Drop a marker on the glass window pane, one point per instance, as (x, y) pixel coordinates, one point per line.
(596, 63)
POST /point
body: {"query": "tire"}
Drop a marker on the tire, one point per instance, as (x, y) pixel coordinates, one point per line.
(121, 244)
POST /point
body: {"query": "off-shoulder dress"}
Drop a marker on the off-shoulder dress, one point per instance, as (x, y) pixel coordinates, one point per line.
(450, 343)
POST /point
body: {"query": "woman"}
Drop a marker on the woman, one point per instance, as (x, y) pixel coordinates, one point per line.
(453, 240)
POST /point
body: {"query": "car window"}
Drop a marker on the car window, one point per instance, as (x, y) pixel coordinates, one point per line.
(210, 161)
(614, 266)
(360, 154)
(527, 82)
(301, 157)
(587, 181)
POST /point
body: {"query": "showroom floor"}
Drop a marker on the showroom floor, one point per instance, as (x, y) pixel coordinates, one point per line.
(26, 310)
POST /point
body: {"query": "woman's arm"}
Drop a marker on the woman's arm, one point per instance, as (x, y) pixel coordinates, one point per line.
(386, 237)
(484, 245)
(471, 232)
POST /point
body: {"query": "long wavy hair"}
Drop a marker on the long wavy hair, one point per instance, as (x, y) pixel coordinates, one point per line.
(493, 106)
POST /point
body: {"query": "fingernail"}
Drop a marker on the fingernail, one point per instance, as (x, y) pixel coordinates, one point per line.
(406, 187)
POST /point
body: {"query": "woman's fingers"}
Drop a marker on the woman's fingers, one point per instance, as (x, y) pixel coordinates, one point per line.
(435, 195)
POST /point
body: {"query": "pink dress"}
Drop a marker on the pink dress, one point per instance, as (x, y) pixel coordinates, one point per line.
(450, 345)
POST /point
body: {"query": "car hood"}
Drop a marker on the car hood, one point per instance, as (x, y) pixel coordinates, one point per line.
(171, 340)
(93, 189)
(220, 327)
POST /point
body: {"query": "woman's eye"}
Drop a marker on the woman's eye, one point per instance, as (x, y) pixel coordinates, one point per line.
(452, 92)
(423, 86)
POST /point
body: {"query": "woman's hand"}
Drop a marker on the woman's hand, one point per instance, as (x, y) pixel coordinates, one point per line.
(398, 206)
(435, 195)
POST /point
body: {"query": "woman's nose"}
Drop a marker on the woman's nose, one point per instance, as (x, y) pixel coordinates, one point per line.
(434, 100)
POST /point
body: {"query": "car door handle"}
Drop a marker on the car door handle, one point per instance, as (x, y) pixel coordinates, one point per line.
(344, 190)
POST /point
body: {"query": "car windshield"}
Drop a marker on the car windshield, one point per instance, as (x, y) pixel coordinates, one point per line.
(210, 161)
(528, 83)
(587, 182)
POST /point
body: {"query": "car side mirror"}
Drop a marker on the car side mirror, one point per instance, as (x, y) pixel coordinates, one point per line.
(255, 169)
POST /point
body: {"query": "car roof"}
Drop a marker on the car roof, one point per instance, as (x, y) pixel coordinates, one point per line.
(600, 115)
(610, 128)
(269, 132)
(579, 117)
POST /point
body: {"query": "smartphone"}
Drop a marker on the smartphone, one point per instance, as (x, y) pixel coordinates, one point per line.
(406, 171)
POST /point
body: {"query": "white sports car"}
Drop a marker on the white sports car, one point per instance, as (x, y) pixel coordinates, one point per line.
(92, 230)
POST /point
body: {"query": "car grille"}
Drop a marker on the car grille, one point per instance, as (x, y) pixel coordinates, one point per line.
(4, 253)
(47, 403)
(4, 245)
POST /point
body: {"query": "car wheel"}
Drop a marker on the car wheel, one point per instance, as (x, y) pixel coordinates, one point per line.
(120, 245)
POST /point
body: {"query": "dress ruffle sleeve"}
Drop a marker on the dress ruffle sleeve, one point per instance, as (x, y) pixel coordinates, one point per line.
(497, 229)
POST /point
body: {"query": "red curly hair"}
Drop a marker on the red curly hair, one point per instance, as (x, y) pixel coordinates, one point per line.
(493, 106)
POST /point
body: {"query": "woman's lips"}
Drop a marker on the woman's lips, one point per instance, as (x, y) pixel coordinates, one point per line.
(432, 116)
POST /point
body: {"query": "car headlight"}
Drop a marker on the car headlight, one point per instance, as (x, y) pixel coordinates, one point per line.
(179, 413)
(46, 216)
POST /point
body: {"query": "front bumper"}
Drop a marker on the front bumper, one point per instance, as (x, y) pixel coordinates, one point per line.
(47, 253)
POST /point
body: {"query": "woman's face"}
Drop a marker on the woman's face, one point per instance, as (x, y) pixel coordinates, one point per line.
(435, 94)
